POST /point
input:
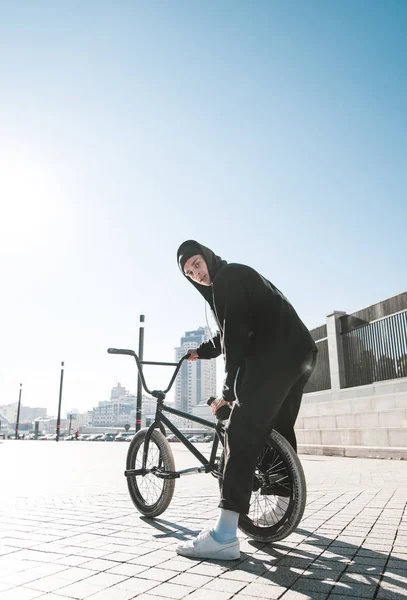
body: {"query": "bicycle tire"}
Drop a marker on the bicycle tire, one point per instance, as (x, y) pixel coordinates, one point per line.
(285, 476)
(160, 456)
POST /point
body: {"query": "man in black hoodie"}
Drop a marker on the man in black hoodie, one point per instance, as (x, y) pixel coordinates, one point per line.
(269, 356)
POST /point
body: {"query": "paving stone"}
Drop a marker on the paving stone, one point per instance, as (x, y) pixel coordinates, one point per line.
(283, 576)
(82, 539)
(192, 580)
(390, 591)
(78, 590)
(211, 569)
(100, 564)
(108, 594)
(92, 553)
(353, 590)
(157, 574)
(135, 584)
(350, 579)
(172, 565)
(294, 595)
(262, 590)
(312, 585)
(20, 593)
(396, 577)
(237, 575)
(128, 569)
(120, 557)
(73, 574)
(203, 595)
(224, 585)
(72, 561)
(51, 583)
(169, 590)
(105, 579)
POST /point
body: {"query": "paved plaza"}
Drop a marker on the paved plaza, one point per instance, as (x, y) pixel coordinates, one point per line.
(68, 530)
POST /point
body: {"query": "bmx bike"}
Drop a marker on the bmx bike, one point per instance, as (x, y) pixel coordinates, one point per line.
(279, 489)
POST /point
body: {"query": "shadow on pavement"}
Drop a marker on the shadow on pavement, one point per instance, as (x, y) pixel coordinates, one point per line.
(170, 529)
(317, 567)
(325, 566)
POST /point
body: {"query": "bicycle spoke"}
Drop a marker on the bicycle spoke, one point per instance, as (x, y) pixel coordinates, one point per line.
(149, 485)
(268, 509)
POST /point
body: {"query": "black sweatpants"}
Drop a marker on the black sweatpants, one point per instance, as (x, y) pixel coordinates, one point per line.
(263, 403)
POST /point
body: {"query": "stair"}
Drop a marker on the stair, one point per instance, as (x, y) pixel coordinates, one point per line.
(371, 425)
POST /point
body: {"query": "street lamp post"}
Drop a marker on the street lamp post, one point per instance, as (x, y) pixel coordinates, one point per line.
(18, 411)
(70, 423)
(139, 387)
(60, 401)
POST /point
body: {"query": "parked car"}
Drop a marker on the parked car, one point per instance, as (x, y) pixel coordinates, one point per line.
(208, 438)
(108, 437)
(124, 436)
(172, 438)
(197, 438)
(69, 438)
(96, 437)
(83, 437)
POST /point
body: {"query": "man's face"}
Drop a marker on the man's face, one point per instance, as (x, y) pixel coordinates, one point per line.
(197, 269)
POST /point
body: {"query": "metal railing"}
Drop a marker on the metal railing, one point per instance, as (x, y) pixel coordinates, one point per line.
(376, 351)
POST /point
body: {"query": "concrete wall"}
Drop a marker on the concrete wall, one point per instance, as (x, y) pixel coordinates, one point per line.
(368, 420)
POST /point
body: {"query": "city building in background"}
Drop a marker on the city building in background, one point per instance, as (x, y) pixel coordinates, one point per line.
(27, 414)
(196, 381)
(47, 425)
(121, 410)
(77, 421)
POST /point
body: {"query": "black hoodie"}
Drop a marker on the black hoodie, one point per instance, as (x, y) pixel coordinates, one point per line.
(256, 322)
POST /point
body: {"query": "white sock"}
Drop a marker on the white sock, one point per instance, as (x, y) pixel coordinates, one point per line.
(225, 529)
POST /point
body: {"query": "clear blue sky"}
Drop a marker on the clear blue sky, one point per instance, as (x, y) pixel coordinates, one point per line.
(274, 132)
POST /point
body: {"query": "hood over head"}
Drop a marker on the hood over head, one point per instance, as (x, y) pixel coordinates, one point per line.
(190, 248)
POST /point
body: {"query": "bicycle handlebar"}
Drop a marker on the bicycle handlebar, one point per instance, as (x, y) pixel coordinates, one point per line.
(120, 351)
(140, 371)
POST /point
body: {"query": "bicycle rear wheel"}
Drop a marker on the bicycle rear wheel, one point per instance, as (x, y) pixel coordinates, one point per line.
(279, 492)
(150, 494)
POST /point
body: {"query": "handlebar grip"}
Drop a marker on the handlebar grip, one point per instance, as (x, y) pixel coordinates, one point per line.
(120, 351)
(223, 413)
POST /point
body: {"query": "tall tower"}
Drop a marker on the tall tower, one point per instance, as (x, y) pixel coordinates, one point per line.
(197, 380)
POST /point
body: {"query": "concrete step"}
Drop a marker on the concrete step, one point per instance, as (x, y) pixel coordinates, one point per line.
(383, 437)
(354, 451)
(379, 388)
(383, 402)
(396, 417)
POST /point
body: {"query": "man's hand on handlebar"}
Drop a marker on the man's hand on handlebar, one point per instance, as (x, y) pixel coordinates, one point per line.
(192, 355)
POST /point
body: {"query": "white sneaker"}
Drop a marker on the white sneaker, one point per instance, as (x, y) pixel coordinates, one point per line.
(205, 546)
(276, 509)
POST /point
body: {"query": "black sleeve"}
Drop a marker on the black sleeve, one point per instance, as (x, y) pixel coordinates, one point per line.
(236, 330)
(210, 349)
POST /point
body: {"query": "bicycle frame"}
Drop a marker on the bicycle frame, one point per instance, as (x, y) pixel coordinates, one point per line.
(208, 466)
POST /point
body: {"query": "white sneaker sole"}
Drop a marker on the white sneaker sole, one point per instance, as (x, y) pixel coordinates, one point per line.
(231, 552)
(219, 555)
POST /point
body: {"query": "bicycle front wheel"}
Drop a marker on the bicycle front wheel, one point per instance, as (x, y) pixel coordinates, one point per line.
(150, 494)
(279, 492)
